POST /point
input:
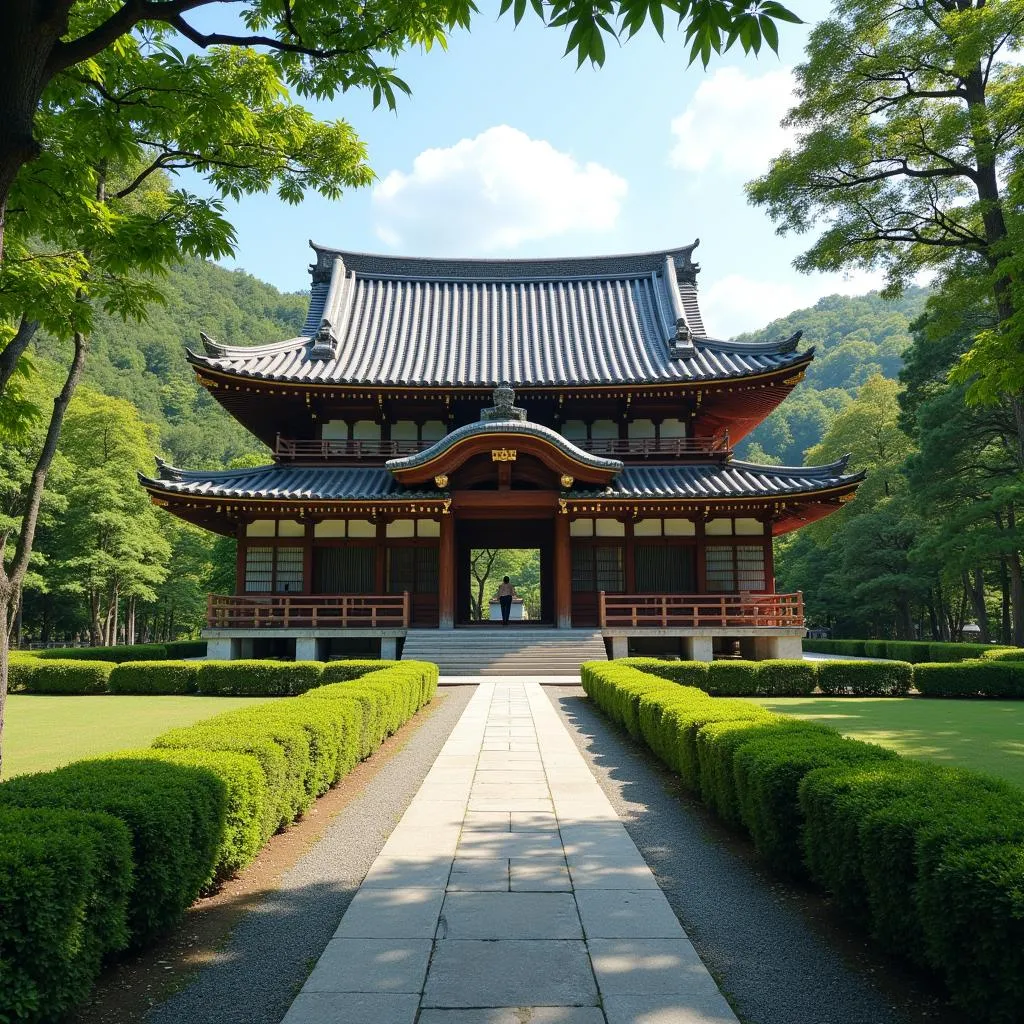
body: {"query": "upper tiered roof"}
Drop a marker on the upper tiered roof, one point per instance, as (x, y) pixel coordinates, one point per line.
(408, 322)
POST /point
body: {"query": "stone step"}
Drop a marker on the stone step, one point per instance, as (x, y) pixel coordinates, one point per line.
(505, 651)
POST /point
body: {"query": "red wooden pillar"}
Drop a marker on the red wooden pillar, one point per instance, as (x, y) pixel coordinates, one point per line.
(630, 559)
(307, 559)
(240, 560)
(702, 559)
(769, 558)
(563, 573)
(446, 574)
(380, 578)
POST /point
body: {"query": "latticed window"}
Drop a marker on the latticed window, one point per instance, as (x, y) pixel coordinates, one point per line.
(288, 576)
(412, 568)
(721, 570)
(259, 569)
(273, 569)
(597, 567)
(735, 569)
(750, 567)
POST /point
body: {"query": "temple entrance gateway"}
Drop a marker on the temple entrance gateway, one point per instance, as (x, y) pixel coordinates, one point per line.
(477, 534)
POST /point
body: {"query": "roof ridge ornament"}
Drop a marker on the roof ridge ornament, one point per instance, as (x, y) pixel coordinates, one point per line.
(213, 348)
(325, 341)
(504, 408)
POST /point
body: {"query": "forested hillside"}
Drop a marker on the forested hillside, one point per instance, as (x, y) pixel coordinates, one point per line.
(146, 365)
(854, 338)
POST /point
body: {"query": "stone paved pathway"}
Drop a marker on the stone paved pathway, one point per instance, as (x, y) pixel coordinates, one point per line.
(510, 893)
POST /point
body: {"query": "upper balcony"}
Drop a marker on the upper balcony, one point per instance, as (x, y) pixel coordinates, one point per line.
(633, 449)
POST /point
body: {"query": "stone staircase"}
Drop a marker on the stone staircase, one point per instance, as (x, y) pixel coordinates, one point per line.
(510, 651)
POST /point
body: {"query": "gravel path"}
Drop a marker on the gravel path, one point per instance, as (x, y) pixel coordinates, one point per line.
(273, 948)
(750, 929)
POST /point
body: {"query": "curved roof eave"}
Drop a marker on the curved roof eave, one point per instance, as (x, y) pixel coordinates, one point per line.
(215, 366)
(503, 427)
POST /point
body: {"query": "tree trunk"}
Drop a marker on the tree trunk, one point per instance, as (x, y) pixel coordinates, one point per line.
(5, 650)
(905, 620)
(1005, 628)
(1017, 599)
(933, 619)
(974, 588)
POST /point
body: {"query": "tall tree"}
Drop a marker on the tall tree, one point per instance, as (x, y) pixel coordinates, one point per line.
(319, 47)
(908, 155)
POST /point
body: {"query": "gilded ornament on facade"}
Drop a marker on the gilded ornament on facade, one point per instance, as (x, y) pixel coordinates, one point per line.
(441, 480)
(567, 481)
(503, 454)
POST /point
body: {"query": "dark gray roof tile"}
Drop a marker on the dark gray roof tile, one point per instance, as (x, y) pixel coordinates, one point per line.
(473, 323)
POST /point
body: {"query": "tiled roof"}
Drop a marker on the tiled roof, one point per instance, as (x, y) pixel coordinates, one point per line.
(725, 480)
(348, 483)
(596, 320)
(343, 483)
(504, 428)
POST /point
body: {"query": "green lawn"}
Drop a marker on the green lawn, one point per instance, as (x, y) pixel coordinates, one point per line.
(981, 734)
(44, 732)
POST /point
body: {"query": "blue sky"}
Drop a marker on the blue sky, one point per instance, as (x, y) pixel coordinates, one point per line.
(505, 149)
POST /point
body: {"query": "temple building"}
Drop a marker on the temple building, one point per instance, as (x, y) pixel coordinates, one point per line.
(436, 406)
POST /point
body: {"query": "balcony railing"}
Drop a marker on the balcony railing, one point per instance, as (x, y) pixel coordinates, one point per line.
(330, 450)
(694, 611)
(646, 447)
(292, 450)
(284, 611)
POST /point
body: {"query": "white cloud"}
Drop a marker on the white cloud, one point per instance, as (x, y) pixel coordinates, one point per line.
(732, 125)
(494, 192)
(733, 304)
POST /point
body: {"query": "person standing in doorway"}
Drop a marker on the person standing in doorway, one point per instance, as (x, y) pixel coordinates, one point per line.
(505, 594)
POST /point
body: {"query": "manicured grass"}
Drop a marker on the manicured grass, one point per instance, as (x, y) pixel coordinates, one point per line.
(987, 735)
(43, 732)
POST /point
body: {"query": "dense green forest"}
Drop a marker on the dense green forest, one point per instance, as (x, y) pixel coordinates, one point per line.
(853, 338)
(906, 557)
(146, 364)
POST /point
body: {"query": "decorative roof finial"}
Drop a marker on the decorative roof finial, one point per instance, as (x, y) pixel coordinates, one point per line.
(504, 408)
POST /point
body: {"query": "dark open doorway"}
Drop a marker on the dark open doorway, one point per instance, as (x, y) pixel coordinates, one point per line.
(504, 535)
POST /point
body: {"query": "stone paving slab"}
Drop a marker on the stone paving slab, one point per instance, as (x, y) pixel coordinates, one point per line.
(510, 892)
(511, 972)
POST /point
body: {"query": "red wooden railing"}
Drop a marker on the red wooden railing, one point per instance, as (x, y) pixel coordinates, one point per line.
(281, 611)
(645, 447)
(692, 611)
(324, 450)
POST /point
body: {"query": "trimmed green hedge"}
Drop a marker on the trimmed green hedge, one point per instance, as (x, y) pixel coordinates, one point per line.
(65, 878)
(914, 651)
(33, 675)
(257, 678)
(971, 679)
(245, 786)
(865, 678)
(1004, 654)
(930, 859)
(151, 829)
(155, 677)
(123, 652)
(177, 649)
(175, 815)
(777, 678)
